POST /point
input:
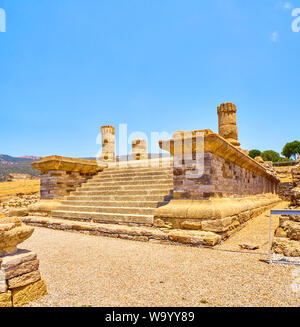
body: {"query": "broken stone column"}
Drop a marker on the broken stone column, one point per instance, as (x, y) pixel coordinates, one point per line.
(20, 278)
(108, 144)
(139, 149)
(227, 123)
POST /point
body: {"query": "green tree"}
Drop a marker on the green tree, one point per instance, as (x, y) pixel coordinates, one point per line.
(291, 149)
(254, 153)
(270, 155)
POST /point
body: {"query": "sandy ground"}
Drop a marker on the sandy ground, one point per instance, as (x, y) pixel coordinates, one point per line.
(255, 233)
(83, 270)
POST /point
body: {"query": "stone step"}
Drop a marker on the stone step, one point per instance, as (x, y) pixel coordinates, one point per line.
(131, 177)
(137, 170)
(134, 233)
(132, 174)
(126, 187)
(112, 182)
(136, 204)
(106, 197)
(111, 210)
(104, 217)
(162, 191)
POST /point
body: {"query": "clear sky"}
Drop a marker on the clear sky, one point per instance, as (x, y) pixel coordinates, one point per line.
(69, 66)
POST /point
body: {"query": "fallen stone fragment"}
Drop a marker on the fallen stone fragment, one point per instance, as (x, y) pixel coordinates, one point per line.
(249, 247)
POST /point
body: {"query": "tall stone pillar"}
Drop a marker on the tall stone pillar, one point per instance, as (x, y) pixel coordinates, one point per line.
(108, 143)
(139, 149)
(227, 123)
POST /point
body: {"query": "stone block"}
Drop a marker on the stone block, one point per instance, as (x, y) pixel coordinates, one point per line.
(24, 280)
(18, 212)
(23, 268)
(24, 295)
(11, 261)
(5, 300)
(3, 286)
(286, 247)
(218, 225)
(192, 225)
(195, 238)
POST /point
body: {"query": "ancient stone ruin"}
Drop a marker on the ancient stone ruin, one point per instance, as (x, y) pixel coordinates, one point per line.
(287, 235)
(139, 149)
(20, 278)
(203, 193)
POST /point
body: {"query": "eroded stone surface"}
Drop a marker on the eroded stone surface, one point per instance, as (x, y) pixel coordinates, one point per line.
(5, 300)
(24, 280)
(21, 269)
(195, 238)
(12, 233)
(24, 295)
(286, 247)
(11, 261)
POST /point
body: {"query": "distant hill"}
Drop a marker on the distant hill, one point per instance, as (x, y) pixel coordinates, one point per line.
(22, 165)
(17, 165)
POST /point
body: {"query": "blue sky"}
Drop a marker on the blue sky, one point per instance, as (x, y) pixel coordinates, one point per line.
(69, 66)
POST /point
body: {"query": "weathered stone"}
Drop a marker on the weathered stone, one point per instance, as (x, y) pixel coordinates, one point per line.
(18, 212)
(195, 238)
(218, 225)
(12, 261)
(5, 299)
(280, 232)
(139, 149)
(3, 285)
(23, 268)
(24, 295)
(9, 239)
(43, 207)
(227, 123)
(215, 215)
(24, 280)
(286, 247)
(108, 144)
(293, 230)
(190, 225)
(61, 175)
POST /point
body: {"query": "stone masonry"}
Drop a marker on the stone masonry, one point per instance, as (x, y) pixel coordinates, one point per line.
(62, 175)
(108, 144)
(227, 123)
(20, 278)
(209, 186)
(139, 149)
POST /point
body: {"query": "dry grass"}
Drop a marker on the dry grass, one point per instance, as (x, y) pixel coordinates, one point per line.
(25, 187)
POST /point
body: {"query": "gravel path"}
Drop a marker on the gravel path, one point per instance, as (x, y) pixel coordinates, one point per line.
(83, 270)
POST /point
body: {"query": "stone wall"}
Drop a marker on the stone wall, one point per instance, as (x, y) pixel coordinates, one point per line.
(221, 178)
(285, 190)
(58, 183)
(62, 175)
(217, 187)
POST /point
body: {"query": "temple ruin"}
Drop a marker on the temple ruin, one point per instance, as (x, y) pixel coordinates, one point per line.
(204, 192)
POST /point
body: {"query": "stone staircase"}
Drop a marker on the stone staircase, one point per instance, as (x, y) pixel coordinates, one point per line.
(119, 196)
